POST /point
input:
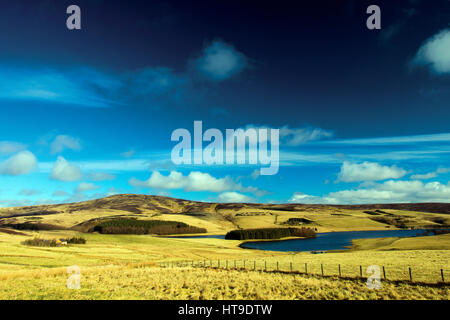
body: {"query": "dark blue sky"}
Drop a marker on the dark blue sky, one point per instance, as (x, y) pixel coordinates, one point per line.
(90, 112)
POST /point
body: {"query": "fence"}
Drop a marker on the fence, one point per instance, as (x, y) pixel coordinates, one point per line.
(392, 273)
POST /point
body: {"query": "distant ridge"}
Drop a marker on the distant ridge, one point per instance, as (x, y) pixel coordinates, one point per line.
(138, 203)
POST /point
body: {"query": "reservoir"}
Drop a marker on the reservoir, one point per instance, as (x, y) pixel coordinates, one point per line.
(328, 240)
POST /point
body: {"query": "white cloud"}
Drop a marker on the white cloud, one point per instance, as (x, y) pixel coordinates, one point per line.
(7, 147)
(368, 171)
(84, 186)
(62, 142)
(220, 61)
(232, 196)
(300, 197)
(64, 171)
(101, 176)
(21, 163)
(435, 53)
(387, 192)
(194, 181)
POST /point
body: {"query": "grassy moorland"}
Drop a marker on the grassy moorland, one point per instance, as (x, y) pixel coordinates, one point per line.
(126, 266)
(148, 282)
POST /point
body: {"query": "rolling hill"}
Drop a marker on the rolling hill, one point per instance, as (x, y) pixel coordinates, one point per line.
(222, 217)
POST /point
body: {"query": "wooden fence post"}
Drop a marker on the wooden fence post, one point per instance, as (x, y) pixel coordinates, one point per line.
(306, 268)
(254, 265)
(321, 267)
(442, 275)
(360, 271)
(410, 274)
(384, 273)
(277, 265)
(339, 270)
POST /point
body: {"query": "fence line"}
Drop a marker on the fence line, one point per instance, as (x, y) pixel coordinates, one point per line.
(341, 271)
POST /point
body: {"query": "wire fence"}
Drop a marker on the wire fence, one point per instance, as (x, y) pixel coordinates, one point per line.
(415, 274)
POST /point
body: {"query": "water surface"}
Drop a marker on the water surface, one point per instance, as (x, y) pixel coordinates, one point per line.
(328, 240)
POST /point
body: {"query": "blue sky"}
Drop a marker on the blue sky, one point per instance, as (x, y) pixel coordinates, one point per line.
(363, 114)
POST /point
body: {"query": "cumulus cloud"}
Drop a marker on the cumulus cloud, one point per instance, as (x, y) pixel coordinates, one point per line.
(62, 142)
(194, 181)
(387, 192)
(435, 53)
(21, 163)
(84, 186)
(232, 196)
(8, 147)
(368, 171)
(300, 197)
(220, 61)
(64, 171)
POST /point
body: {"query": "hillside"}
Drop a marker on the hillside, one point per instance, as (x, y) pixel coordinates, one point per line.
(222, 217)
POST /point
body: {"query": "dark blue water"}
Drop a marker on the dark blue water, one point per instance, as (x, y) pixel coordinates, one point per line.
(328, 240)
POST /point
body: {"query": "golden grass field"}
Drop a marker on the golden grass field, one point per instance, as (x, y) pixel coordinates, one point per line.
(129, 266)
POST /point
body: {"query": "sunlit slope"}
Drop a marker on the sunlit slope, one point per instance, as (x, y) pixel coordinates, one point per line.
(220, 217)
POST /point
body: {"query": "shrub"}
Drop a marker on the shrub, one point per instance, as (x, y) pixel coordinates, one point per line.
(38, 242)
(297, 221)
(270, 233)
(76, 240)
